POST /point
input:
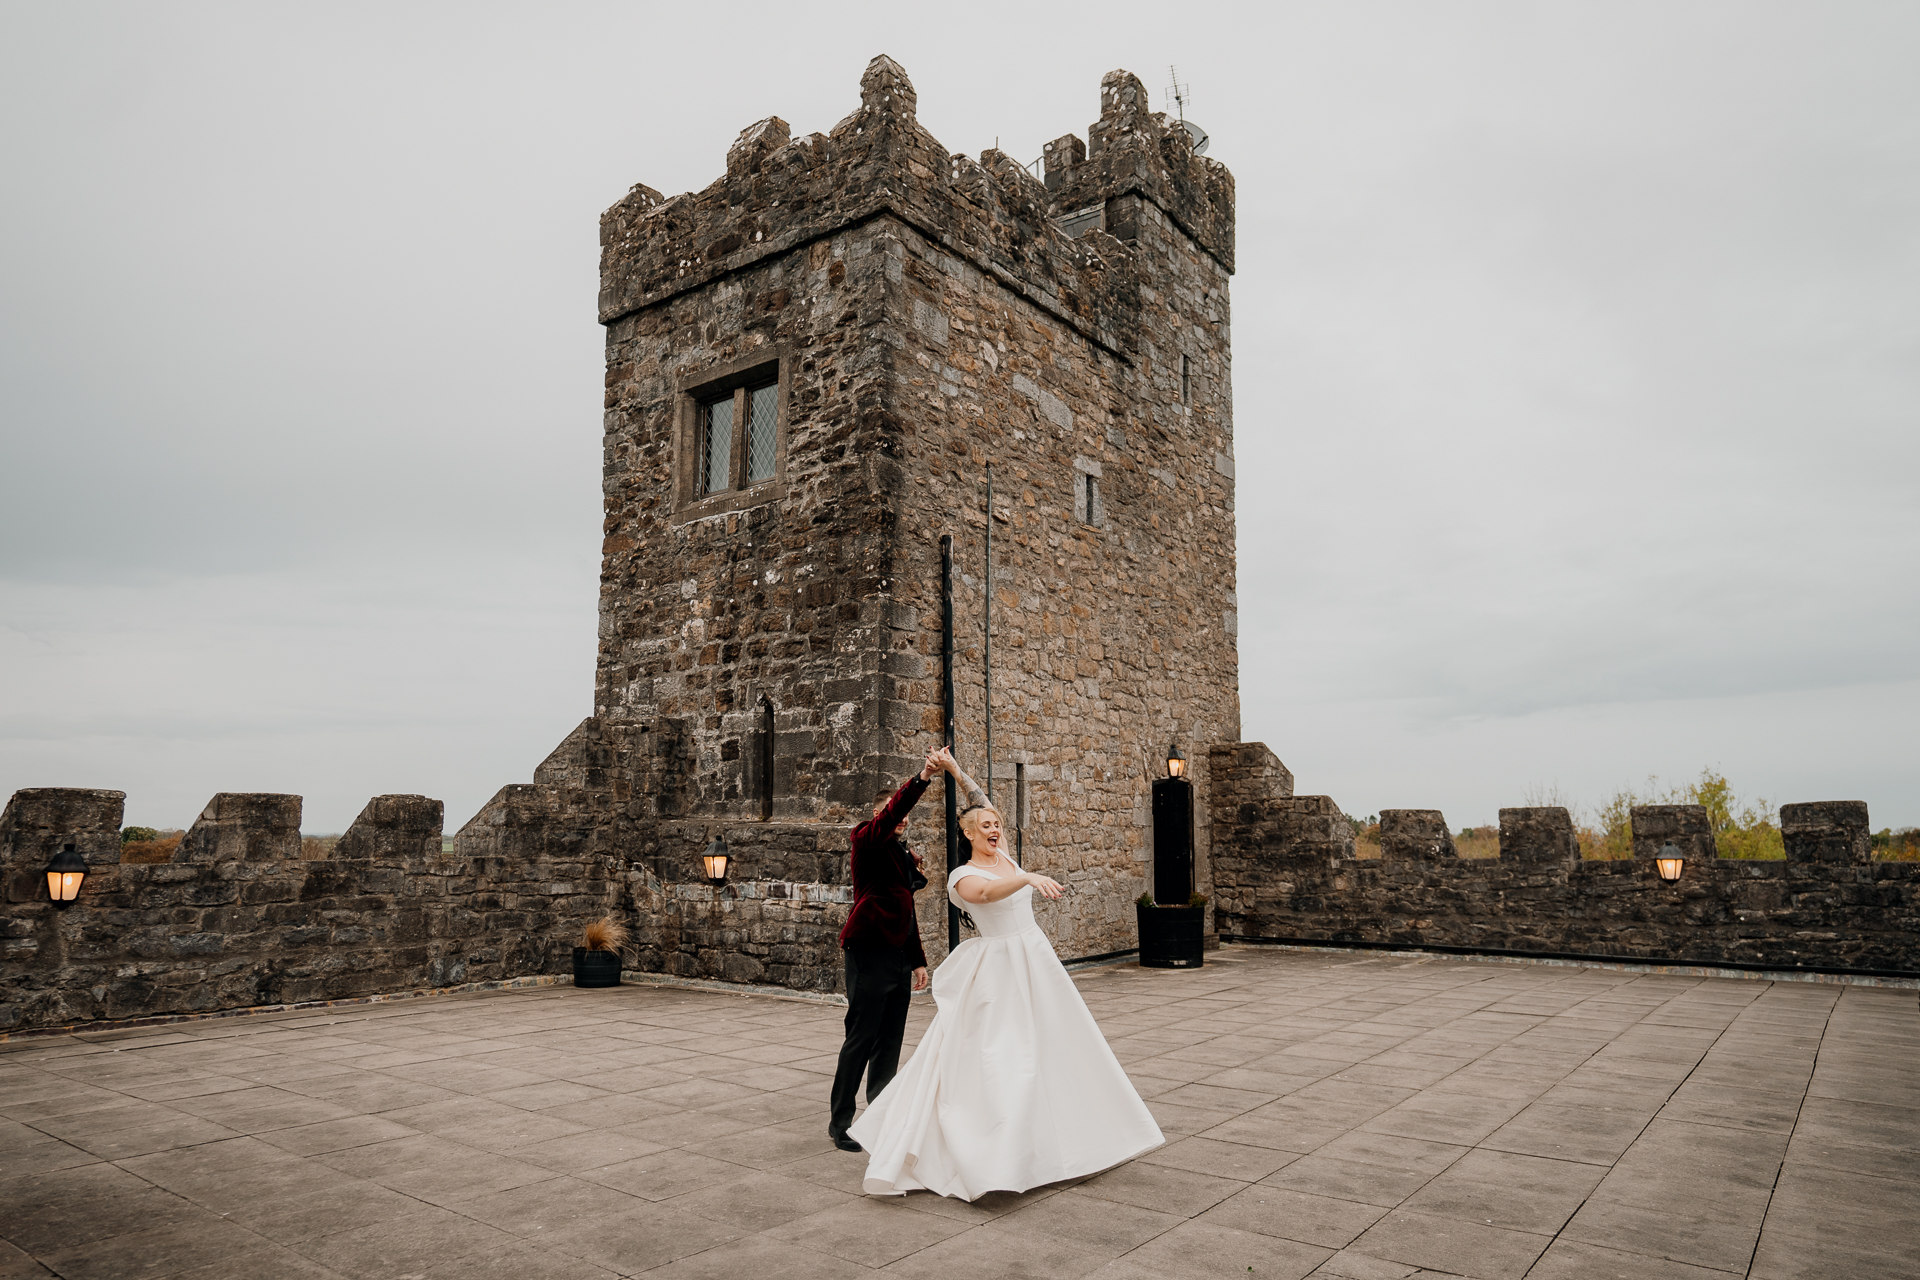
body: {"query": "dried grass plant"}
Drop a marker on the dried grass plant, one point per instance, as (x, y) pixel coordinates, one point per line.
(160, 847)
(604, 934)
(1477, 842)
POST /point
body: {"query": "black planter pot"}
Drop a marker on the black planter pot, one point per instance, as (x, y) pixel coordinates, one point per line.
(1172, 937)
(595, 968)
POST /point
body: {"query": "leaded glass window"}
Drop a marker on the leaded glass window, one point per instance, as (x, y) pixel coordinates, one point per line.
(763, 418)
(716, 445)
(728, 450)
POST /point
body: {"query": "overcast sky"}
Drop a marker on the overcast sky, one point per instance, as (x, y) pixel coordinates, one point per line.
(1577, 375)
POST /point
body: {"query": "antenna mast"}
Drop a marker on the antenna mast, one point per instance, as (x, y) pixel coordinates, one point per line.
(1177, 92)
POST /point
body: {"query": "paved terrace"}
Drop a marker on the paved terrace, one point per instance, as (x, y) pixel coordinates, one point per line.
(1328, 1115)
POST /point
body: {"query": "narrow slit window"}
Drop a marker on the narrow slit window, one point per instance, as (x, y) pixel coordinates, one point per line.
(1091, 503)
(716, 445)
(766, 759)
(1020, 813)
(763, 419)
(1186, 380)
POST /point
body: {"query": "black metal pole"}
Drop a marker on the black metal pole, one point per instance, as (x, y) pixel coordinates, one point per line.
(986, 652)
(946, 703)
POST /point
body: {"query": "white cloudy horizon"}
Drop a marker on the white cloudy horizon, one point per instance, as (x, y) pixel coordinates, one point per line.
(1577, 376)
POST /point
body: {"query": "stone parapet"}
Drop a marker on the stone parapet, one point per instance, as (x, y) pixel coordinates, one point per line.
(1415, 833)
(1831, 831)
(1827, 906)
(1685, 826)
(239, 826)
(239, 918)
(1538, 835)
(40, 821)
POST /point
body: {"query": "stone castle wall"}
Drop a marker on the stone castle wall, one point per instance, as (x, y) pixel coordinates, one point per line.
(1285, 871)
(237, 917)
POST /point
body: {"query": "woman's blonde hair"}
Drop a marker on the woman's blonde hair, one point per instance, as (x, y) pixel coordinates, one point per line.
(971, 815)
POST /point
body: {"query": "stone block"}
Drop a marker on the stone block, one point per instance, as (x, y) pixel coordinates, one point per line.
(40, 821)
(1250, 768)
(1827, 831)
(1416, 834)
(1538, 835)
(755, 143)
(243, 827)
(394, 828)
(1685, 825)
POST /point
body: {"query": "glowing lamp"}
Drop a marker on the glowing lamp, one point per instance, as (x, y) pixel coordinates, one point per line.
(1176, 762)
(716, 860)
(65, 873)
(1669, 862)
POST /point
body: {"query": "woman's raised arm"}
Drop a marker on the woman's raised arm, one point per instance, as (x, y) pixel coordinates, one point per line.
(974, 795)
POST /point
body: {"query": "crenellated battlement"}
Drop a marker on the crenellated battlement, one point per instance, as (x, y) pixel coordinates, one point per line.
(1135, 155)
(1065, 244)
(1284, 869)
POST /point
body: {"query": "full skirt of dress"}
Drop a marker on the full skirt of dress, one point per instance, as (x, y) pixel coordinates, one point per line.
(1011, 1087)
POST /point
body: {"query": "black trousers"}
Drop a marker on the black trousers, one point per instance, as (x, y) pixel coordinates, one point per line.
(879, 986)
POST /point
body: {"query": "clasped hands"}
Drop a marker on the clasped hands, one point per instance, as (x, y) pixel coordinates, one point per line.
(939, 760)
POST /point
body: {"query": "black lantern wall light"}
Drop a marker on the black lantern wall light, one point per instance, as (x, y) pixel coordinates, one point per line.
(1669, 862)
(66, 872)
(1176, 762)
(715, 859)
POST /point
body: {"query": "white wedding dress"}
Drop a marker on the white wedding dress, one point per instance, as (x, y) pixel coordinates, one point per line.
(1012, 1086)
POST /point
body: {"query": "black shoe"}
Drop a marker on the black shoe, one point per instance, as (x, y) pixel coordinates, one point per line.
(843, 1142)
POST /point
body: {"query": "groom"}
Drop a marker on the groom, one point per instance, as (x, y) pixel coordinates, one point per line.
(885, 962)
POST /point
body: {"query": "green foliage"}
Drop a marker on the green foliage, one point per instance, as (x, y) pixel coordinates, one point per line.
(1611, 835)
(1739, 830)
(1146, 900)
(1902, 845)
(128, 834)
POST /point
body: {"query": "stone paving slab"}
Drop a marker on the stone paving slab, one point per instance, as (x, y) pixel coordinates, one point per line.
(1335, 1116)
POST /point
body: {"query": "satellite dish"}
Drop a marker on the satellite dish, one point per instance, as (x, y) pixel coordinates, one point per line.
(1198, 135)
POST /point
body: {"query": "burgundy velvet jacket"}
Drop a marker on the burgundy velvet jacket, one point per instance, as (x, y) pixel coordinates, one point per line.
(882, 915)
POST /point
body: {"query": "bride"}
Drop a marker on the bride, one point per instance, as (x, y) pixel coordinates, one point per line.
(1012, 1085)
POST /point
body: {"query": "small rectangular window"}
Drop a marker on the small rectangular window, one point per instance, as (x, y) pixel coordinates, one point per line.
(1020, 813)
(729, 452)
(716, 445)
(1186, 380)
(763, 415)
(1092, 503)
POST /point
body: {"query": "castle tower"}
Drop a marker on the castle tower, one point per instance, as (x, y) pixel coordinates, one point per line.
(810, 365)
